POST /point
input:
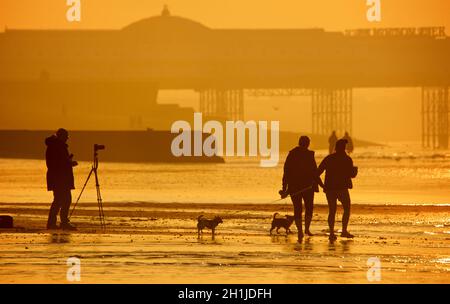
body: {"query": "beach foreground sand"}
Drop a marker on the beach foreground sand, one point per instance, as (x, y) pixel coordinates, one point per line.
(157, 243)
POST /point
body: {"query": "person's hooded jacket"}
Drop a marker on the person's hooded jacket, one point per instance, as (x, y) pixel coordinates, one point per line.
(59, 165)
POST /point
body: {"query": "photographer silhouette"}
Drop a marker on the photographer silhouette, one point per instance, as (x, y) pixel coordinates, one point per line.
(59, 178)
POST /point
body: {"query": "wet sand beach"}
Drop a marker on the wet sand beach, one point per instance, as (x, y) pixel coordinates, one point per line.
(148, 242)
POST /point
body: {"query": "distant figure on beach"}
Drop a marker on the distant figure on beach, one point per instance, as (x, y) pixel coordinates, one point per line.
(338, 179)
(300, 181)
(332, 142)
(59, 178)
(350, 146)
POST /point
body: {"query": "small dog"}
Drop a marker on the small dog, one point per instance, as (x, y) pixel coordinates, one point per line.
(211, 224)
(284, 222)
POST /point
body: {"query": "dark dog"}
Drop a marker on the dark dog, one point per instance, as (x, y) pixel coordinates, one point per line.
(205, 223)
(284, 222)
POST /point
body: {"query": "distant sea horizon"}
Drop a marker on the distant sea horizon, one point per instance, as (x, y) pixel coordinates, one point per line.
(398, 173)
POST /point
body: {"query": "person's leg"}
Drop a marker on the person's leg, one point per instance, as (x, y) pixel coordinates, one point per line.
(297, 202)
(65, 206)
(344, 198)
(54, 209)
(332, 200)
(308, 197)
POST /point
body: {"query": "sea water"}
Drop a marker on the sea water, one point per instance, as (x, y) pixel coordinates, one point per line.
(397, 173)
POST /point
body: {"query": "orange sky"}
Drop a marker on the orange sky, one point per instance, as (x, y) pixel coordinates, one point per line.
(329, 14)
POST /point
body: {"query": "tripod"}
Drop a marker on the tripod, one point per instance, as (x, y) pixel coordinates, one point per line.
(94, 168)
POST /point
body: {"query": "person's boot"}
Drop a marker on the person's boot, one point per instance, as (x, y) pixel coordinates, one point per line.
(68, 226)
(52, 226)
(51, 223)
(300, 236)
(347, 234)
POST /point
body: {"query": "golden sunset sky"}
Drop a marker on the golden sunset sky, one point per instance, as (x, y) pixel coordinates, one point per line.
(329, 14)
(399, 108)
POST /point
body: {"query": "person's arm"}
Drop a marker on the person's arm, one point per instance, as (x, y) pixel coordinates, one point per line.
(317, 179)
(319, 182)
(74, 163)
(322, 167)
(286, 170)
(352, 170)
(50, 158)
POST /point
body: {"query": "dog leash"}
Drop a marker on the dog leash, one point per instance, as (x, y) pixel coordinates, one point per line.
(291, 195)
(294, 194)
(280, 199)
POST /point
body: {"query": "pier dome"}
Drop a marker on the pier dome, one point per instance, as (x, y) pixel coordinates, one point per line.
(166, 23)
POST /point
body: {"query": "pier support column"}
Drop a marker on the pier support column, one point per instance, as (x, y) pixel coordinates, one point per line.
(332, 111)
(222, 104)
(435, 112)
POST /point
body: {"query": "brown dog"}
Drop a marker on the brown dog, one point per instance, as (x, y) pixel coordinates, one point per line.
(205, 223)
(284, 222)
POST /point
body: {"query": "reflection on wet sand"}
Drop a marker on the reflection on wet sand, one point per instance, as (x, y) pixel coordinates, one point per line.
(208, 240)
(346, 244)
(279, 239)
(167, 250)
(308, 244)
(59, 238)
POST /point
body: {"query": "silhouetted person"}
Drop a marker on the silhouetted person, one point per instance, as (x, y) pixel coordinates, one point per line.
(59, 178)
(349, 146)
(338, 179)
(300, 173)
(332, 142)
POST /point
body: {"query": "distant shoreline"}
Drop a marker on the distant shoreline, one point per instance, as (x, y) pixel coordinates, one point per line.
(174, 210)
(259, 206)
(145, 146)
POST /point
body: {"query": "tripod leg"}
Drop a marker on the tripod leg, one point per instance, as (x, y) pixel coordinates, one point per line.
(100, 208)
(79, 196)
(99, 202)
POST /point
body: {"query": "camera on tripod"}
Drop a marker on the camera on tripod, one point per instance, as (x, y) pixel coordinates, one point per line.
(98, 147)
(94, 168)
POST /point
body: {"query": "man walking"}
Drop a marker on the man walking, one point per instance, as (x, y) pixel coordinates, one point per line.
(349, 146)
(338, 179)
(59, 178)
(300, 181)
(332, 142)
